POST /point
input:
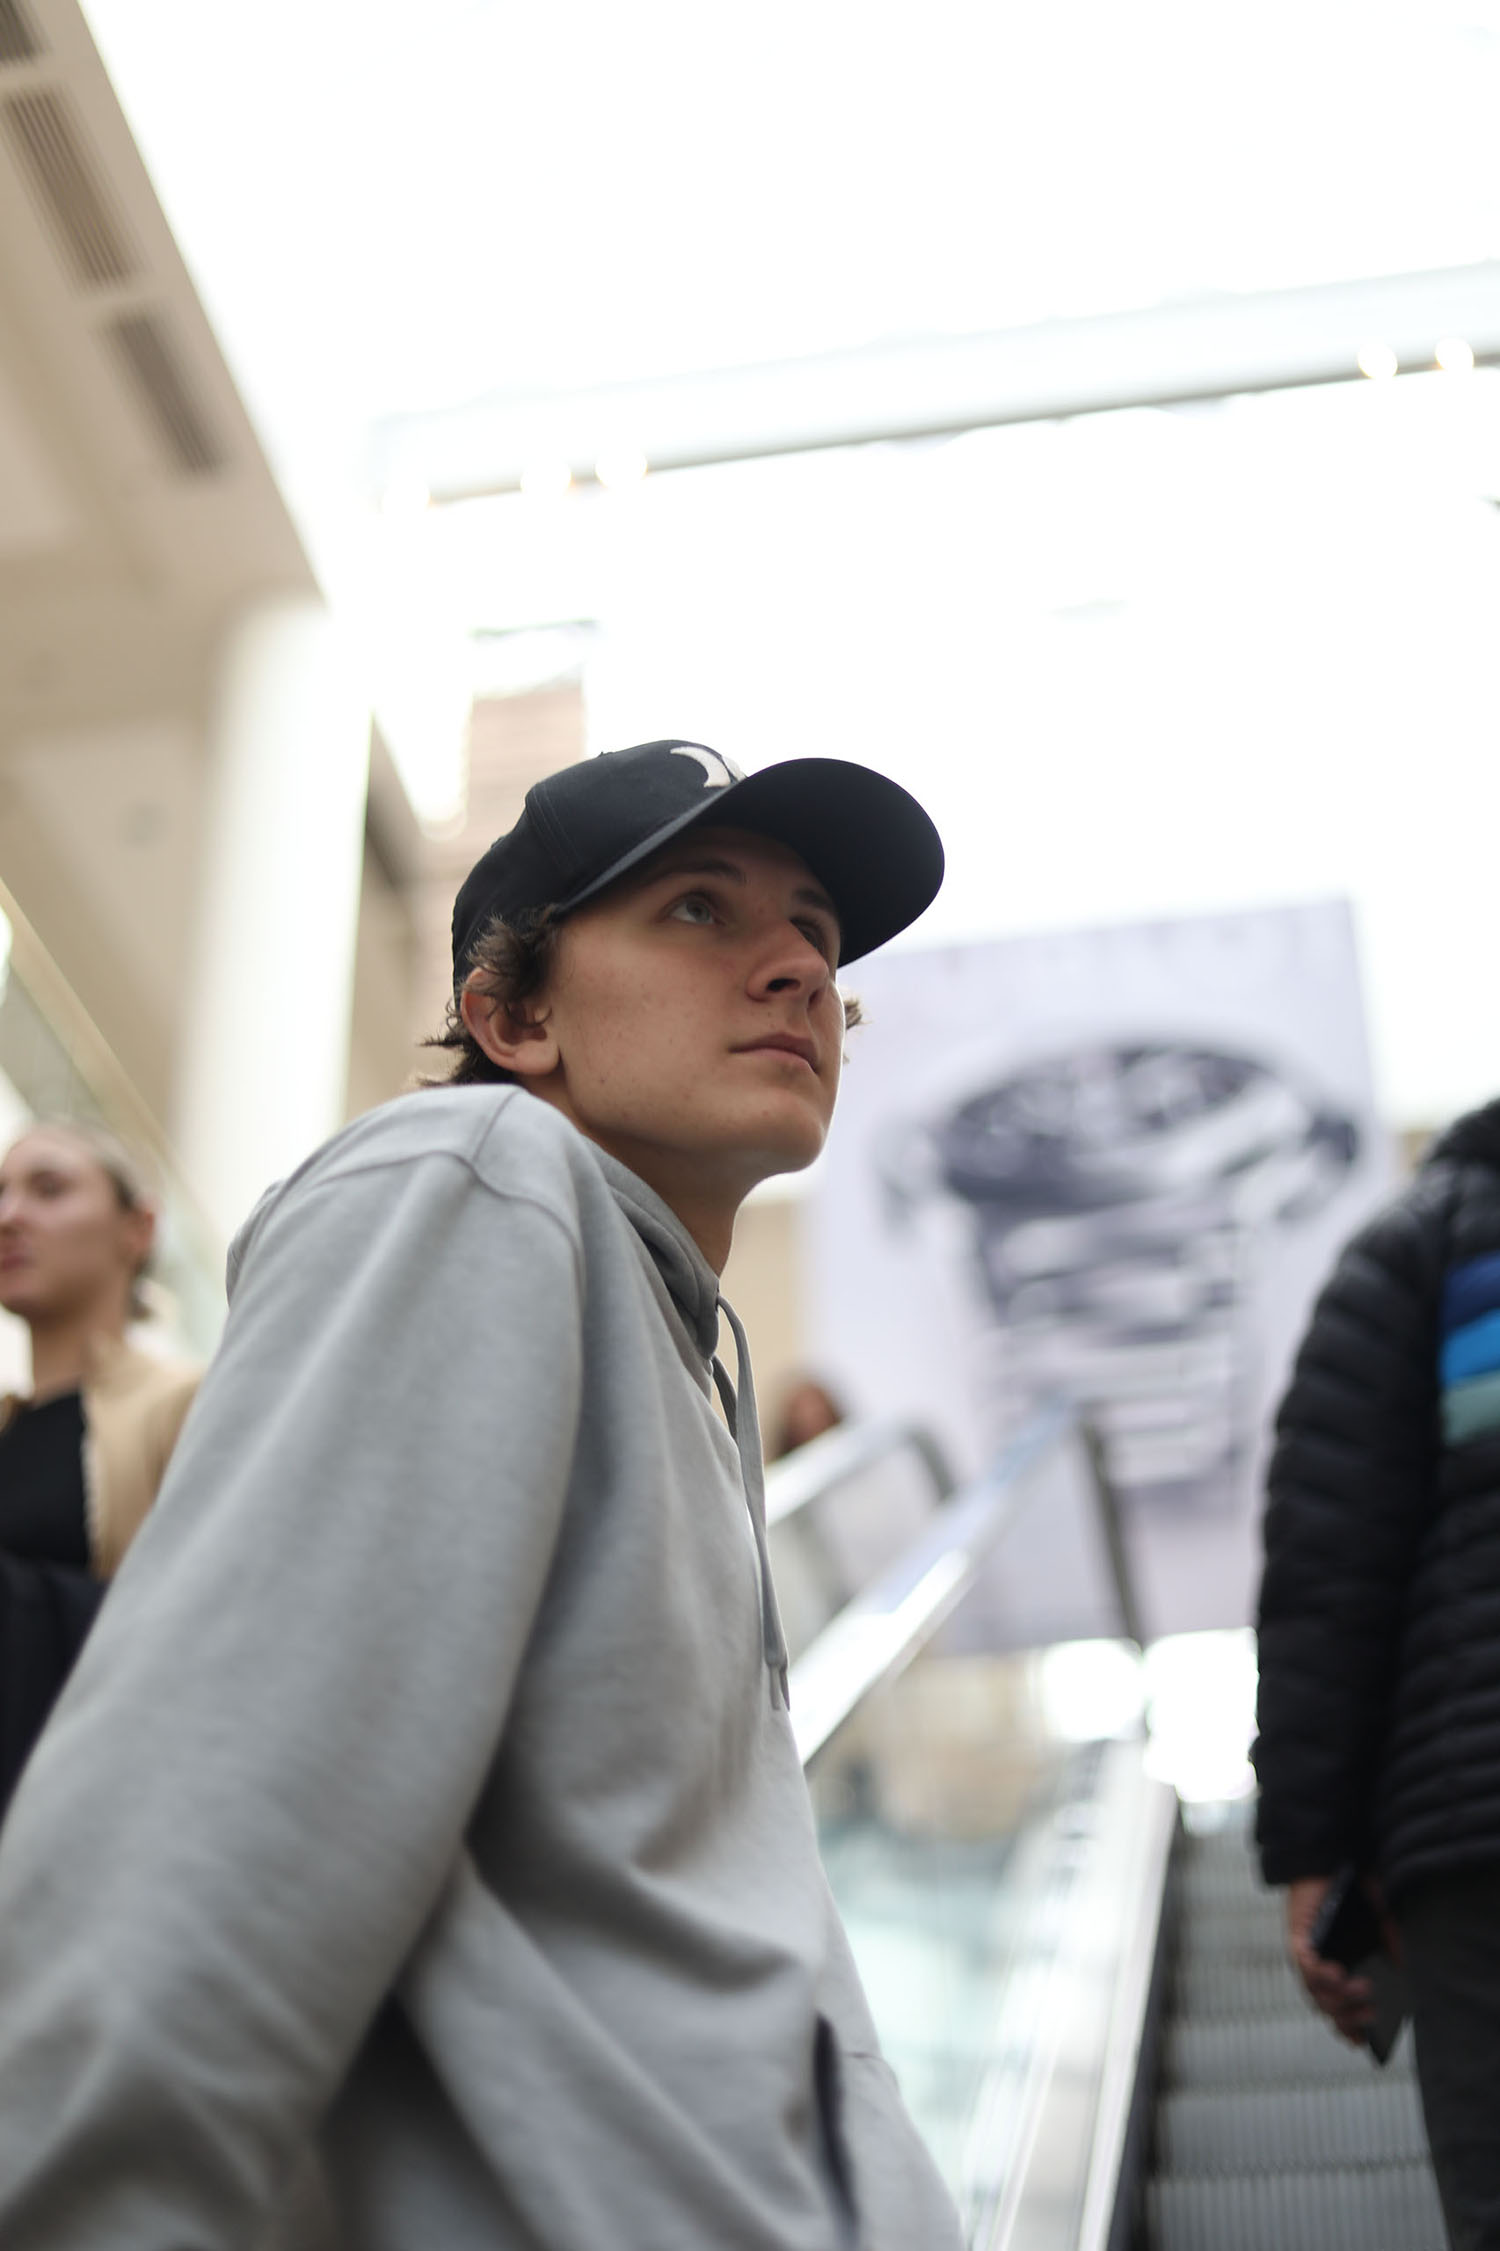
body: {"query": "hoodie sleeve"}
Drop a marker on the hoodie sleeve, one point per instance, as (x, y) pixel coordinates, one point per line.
(1348, 1497)
(260, 1774)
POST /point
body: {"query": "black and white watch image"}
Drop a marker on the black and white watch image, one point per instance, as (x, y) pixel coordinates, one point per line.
(1123, 1197)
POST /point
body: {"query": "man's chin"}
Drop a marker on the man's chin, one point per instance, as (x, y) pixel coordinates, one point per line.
(789, 1153)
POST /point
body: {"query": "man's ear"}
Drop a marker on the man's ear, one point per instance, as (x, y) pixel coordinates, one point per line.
(518, 1038)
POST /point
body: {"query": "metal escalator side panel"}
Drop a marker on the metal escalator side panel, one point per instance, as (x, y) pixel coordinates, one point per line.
(1058, 2177)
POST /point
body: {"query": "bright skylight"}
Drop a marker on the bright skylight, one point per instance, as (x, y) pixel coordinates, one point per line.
(392, 208)
(1143, 664)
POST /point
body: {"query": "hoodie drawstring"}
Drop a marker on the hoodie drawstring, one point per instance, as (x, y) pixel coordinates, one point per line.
(744, 1429)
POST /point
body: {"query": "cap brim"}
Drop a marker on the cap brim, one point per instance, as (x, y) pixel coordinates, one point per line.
(866, 839)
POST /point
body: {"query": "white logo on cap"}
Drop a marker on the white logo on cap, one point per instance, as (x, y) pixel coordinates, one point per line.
(718, 771)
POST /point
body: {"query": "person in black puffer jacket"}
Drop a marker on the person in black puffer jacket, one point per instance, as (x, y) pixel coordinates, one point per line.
(1379, 1628)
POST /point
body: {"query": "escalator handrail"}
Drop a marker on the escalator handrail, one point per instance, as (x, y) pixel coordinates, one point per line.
(869, 1642)
(1072, 2114)
(881, 1630)
(829, 1461)
(1107, 2198)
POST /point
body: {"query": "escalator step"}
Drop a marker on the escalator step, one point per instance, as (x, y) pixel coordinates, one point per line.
(1381, 2208)
(1291, 2050)
(1232, 1938)
(1223, 1848)
(1261, 1911)
(1238, 2130)
(1206, 1891)
(1227, 1835)
(1204, 1987)
(1229, 1873)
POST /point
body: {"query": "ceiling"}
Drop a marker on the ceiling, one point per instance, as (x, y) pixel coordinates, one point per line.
(479, 199)
(138, 508)
(137, 515)
(388, 212)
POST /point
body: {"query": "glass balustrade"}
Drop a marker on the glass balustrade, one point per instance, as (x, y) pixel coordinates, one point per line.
(54, 1062)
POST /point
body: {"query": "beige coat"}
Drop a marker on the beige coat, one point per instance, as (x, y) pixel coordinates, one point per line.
(133, 1409)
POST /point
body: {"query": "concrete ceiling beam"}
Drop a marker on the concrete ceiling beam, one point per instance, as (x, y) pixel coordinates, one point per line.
(1169, 355)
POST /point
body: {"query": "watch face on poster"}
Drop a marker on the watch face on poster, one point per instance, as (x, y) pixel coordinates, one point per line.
(1114, 1166)
(1121, 1195)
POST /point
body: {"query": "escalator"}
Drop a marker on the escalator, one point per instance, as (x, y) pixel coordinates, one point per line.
(1087, 2004)
(1269, 2131)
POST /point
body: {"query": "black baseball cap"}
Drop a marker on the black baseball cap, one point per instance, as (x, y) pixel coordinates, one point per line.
(867, 840)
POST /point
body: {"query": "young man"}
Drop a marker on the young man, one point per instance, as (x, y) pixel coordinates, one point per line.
(420, 1859)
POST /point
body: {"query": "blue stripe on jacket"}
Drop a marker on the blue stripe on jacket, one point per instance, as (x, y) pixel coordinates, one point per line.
(1470, 1290)
(1469, 1361)
(1473, 1350)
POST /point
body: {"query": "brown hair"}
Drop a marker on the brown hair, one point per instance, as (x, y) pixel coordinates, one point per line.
(510, 963)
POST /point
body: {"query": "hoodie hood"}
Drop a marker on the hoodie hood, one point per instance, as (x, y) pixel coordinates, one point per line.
(1473, 1139)
(693, 1287)
(690, 1281)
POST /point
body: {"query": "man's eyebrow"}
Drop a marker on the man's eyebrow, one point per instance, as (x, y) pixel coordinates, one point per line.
(807, 894)
(686, 863)
(810, 896)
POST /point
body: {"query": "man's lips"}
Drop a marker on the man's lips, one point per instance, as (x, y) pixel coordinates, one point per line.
(783, 1043)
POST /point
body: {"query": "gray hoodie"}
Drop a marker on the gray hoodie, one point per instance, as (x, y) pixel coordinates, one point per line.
(421, 1846)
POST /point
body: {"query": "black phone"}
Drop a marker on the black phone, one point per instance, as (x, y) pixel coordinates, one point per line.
(1347, 1930)
(1346, 1927)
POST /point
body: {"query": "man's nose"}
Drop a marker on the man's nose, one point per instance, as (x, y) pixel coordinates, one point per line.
(795, 964)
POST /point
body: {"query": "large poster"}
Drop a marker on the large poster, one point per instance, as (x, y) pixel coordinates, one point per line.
(1115, 1164)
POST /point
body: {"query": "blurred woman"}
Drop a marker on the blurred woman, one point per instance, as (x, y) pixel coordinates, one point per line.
(83, 1453)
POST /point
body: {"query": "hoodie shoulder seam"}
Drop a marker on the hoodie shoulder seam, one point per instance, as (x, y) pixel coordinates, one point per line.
(503, 1191)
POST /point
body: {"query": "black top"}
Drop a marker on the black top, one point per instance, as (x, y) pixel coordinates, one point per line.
(1380, 1605)
(43, 1516)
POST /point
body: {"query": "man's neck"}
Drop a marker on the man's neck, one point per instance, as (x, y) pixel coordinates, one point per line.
(711, 1225)
(706, 1209)
(705, 1196)
(706, 1203)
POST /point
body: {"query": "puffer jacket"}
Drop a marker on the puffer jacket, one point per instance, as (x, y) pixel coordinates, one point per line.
(1380, 1605)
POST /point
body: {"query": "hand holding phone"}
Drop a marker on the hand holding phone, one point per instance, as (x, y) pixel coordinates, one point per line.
(1347, 1934)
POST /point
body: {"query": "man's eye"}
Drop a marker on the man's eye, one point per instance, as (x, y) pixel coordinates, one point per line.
(694, 908)
(817, 935)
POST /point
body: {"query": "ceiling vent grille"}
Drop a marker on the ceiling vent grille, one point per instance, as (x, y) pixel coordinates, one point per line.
(18, 42)
(55, 158)
(161, 384)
